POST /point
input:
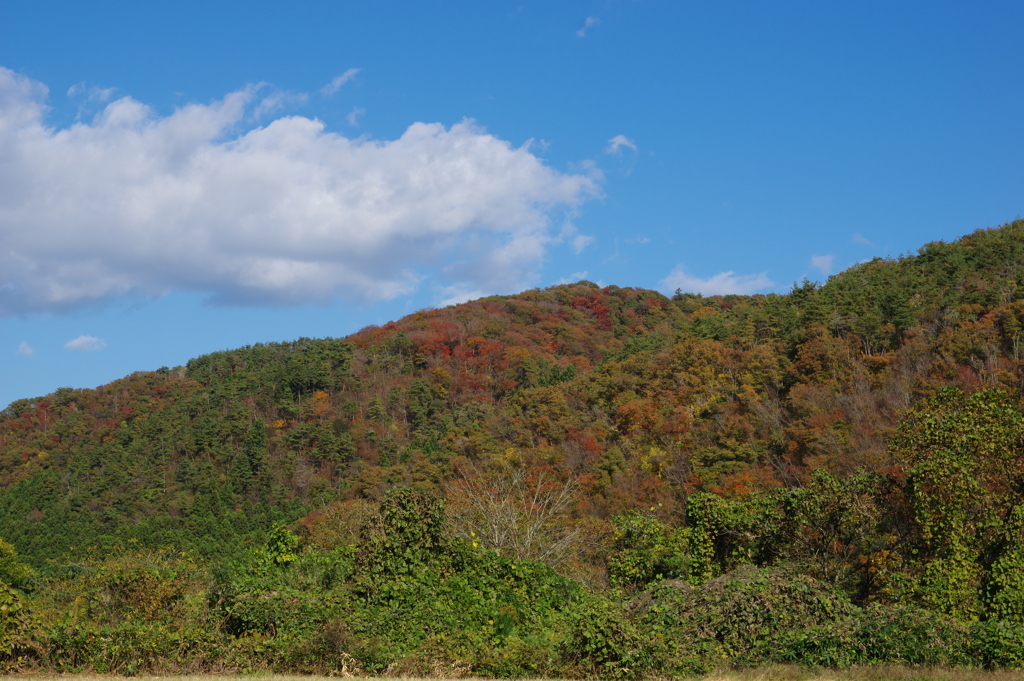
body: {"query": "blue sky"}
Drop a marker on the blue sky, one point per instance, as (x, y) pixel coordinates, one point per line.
(182, 178)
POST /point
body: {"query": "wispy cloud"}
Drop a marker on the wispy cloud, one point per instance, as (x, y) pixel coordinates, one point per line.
(822, 263)
(616, 143)
(26, 349)
(723, 283)
(571, 234)
(284, 213)
(85, 344)
(858, 239)
(277, 101)
(89, 97)
(542, 143)
(353, 116)
(93, 93)
(456, 295)
(338, 81)
(572, 278)
(580, 242)
(587, 25)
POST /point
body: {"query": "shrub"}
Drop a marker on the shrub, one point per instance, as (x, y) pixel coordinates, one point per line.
(997, 643)
(601, 640)
(142, 610)
(644, 551)
(16, 624)
(906, 634)
(741, 615)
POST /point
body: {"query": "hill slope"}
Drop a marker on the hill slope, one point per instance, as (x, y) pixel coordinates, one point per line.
(622, 396)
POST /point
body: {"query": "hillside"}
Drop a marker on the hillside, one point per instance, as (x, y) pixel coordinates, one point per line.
(620, 398)
(576, 482)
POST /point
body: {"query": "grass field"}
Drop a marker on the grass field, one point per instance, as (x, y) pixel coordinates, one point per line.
(880, 673)
(770, 673)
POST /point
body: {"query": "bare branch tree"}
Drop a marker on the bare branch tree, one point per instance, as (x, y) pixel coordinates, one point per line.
(521, 513)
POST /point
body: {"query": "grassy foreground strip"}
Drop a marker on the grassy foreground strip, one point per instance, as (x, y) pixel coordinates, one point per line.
(765, 673)
(868, 673)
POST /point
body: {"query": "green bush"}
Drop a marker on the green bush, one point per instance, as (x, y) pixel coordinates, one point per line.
(909, 635)
(602, 641)
(264, 594)
(741, 613)
(411, 599)
(997, 644)
(129, 647)
(644, 551)
(12, 571)
(17, 646)
(135, 611)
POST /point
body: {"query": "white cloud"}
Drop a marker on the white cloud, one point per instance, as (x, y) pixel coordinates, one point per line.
(579, 242)
(133, 202)
(723, 283)
(353, 116)
(276, 101)
(338, 81)
(571, 234)
(616, 143)
(587, 25)
(858, 239)
(85, 344)
(456, 295)
(822, 263)
(572, 278)
(93, 93)
(26, 349)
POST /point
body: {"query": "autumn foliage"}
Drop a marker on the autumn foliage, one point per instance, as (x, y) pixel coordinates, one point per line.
(864, 433)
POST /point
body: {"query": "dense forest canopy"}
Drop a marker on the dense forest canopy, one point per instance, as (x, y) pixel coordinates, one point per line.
(864, 434)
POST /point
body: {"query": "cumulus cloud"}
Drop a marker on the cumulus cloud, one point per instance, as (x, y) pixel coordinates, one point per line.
(26, 349)
(85, 344)
(587, 25)
(723, 283)
(336, 84)
(616, 143)
(132, 202)
(822, 263)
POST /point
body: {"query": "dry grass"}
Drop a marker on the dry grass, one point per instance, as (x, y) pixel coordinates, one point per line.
(879, 673)
(205, 677)
(214, 677)
(196, 677)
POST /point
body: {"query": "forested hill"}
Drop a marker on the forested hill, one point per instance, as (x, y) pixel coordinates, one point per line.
(620, 397)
